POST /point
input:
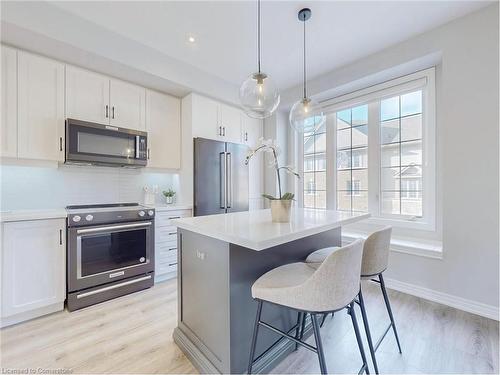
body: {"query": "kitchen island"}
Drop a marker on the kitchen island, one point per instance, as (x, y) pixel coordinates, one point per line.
(219, 258)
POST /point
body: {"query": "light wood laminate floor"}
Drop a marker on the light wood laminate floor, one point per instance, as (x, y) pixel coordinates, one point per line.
(133, 334)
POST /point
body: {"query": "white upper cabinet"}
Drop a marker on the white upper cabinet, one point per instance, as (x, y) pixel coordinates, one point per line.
(251, 130)
(214, 120)
(33, 265)
(8, 134)
(128, 105)
(163, 124)
(40, 108)
(87, 95)
(230, 120)
(205, 117)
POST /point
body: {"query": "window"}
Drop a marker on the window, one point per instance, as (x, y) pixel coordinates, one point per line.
(314, 171)
(352, 158)
(401, 154)
(376, 153)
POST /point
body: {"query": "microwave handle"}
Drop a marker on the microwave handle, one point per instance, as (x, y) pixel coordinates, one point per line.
(137, 142)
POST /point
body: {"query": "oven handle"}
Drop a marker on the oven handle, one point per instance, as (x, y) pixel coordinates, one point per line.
(111, 287)
(113, 227)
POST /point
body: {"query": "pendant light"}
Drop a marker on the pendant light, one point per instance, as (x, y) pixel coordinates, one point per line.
(306, 114)
(259, 95)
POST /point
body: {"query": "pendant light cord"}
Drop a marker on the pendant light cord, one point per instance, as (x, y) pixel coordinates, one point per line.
(258, 32)
(305, 89)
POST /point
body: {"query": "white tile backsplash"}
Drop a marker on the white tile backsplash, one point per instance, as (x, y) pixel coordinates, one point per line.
(50, 187)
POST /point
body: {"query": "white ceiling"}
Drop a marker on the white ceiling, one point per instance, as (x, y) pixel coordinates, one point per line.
(225, 31)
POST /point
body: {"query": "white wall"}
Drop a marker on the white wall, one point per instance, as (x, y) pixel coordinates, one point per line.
(39, 187)
(467, 152)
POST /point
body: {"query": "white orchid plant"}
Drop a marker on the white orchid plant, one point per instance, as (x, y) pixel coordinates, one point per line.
(270, 146)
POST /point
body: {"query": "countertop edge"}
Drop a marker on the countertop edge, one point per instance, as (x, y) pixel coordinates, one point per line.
(27, 215)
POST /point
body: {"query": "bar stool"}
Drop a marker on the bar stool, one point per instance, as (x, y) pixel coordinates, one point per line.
(375, 259)
(331, 287)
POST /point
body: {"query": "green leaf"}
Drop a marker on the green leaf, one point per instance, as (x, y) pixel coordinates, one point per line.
(288, 196)
(270, 197)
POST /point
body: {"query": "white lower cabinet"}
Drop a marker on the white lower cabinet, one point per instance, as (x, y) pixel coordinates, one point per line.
(166, 243)
(33, 269)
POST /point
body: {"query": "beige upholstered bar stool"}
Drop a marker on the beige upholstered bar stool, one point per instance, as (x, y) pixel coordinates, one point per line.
(375, 260)
(330, 287)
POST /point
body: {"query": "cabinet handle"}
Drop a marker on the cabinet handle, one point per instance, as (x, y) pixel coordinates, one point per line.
(172, 264)
(113, 112)
(148, 154)
(172, 233)
(60, 236)
(106, 112)
(60, 144)
(220, 130)
(223, 131)
(172, 248)
(246, 136)
(174, 217)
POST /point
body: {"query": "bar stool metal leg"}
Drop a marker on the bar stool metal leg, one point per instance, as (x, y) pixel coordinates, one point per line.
(367, 330)
(298, 329)
(254, 337)
(358, 338)
(319, 345)
(389, 310)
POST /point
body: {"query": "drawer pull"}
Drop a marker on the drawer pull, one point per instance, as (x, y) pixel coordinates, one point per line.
(174, 217)
(172, 264)
(171, 233)
(172, 248)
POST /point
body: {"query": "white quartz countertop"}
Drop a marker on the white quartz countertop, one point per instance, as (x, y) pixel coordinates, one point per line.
(255, 230)
(24, 215)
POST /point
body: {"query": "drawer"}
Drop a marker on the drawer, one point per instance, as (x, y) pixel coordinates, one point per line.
(166, 234)
(163, 259)
(163, 218)
(166, 268)
(165, 248)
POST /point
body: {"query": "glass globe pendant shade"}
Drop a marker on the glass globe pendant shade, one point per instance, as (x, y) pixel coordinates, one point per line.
(259, 96)
(306, 116)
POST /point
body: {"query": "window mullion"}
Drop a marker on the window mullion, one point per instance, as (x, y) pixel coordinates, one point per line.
(374, 158)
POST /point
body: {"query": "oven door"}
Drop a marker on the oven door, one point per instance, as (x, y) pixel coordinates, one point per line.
(103, 144)
(105, 253)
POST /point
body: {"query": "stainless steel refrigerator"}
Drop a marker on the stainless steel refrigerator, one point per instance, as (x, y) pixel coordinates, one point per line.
(220, 177)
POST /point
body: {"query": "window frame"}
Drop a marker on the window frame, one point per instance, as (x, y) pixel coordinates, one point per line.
(422, 80)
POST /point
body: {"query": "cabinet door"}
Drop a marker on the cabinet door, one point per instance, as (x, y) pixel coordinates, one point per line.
(40, 108)
(87, 95)
(163, 124)
(128, 105)
(205, 119)
(33, 265)
(251, 131)
(9, 103)
(230, 119)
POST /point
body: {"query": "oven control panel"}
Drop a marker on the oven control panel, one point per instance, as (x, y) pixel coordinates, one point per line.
(106, 216)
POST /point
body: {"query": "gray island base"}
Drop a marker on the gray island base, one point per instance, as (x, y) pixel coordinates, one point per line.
(216, 312)
(219, 258)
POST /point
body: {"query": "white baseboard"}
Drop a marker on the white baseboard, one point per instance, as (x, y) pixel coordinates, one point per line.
(488, 311)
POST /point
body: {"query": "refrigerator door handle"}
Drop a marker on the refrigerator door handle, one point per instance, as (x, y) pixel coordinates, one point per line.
(222, 179)
(229, 190)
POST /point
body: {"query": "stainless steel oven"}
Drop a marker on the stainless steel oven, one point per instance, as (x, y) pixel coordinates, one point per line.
(90, 143)
(110, 252)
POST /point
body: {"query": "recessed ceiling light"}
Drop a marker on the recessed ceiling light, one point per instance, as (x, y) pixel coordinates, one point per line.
(191, 39)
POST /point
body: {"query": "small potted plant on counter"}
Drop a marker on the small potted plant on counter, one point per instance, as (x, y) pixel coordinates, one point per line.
(169, 196)
(282, 204)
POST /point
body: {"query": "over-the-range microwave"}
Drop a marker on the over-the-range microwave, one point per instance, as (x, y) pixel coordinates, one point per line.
(96, 144)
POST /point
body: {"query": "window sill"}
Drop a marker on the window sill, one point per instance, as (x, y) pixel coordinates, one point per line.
(424, 248)
(409, 224)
